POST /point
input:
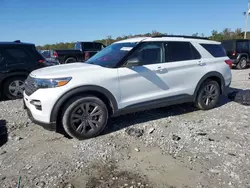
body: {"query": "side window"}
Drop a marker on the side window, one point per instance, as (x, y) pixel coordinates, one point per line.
(148, 53)
(215, 50)
(242, 46)
(180, 51)
(78, 46)
(18, 56)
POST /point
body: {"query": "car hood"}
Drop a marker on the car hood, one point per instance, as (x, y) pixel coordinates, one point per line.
(64, 70)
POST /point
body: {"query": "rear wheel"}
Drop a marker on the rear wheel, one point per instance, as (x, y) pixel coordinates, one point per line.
(208, 95)
(14, 87)
(70, 60)
(85, 117)
(242, 63)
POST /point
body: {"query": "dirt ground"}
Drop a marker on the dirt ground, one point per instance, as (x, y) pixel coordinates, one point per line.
(172, 147)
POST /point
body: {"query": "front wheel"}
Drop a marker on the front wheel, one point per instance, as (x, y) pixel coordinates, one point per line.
(84, 117)
(208, 95)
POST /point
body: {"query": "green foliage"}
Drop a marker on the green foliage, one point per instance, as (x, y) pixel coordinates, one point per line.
(61, 45)
(217, 36)
(227, 34)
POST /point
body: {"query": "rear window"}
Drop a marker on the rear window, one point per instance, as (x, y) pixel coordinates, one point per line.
(215, 50)
(78, 46)
(88, 46)
(35, 53)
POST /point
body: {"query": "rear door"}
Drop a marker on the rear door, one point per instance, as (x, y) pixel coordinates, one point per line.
(184, 68)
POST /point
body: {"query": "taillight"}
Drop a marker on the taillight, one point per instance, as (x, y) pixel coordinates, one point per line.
(41, 61)
(86, 56)
(229, 63)
(234, 53)
(55, 54)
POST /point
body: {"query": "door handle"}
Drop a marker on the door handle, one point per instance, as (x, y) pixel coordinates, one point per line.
(161, 70)
(201, 63)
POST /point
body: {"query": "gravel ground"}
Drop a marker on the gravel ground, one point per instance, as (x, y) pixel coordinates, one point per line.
(175, 146)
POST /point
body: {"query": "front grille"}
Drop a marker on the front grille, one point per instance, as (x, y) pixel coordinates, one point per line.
(30, 87)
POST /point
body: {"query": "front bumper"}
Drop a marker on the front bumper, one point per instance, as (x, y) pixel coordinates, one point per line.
(47, 126)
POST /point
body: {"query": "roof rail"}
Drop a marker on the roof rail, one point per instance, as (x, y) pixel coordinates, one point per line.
(182, 36)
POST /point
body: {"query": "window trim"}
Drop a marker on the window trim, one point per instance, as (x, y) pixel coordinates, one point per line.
(190, 47)
(138, 47)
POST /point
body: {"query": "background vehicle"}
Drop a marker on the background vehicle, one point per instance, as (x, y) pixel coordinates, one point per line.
(48, 55)
(81, 52)
(17, 60)
(238, 51)
(128, 76)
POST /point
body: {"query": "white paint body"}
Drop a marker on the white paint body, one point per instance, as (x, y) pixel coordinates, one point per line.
(130, 85)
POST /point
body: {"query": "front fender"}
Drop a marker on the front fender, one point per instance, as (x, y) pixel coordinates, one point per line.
(82, 89)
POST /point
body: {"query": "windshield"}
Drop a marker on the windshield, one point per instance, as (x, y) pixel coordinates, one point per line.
(111, 55)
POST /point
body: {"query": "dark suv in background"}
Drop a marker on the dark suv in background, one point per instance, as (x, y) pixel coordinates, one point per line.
(17, 60)
(238, 50)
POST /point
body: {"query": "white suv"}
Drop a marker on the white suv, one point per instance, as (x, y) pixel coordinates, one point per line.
(127, 76)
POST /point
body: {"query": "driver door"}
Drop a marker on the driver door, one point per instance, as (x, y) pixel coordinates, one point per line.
(141, 77)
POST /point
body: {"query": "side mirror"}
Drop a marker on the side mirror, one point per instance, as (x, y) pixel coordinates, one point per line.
(133, 62)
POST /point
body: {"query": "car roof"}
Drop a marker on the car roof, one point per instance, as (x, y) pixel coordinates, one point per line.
(234, 40)
(15, 43)
(149, 39)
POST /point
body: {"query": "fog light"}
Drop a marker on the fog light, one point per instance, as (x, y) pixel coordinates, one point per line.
(37, 104)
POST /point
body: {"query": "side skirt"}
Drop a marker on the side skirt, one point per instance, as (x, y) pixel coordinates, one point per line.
(179, 99)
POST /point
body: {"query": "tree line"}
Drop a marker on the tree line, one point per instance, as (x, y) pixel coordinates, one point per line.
(215, 35)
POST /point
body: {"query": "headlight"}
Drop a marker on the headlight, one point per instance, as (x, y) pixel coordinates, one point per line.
(51, 83)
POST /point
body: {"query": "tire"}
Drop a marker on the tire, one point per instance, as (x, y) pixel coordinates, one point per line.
(70, 60)
(208, 95)
(242, 63)
(77, 124)
(13, 87)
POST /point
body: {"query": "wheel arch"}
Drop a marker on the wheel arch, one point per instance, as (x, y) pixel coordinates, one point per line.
(69, 56)
(10, 75)
(243, 55)
(106, 96)
(214, 75)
